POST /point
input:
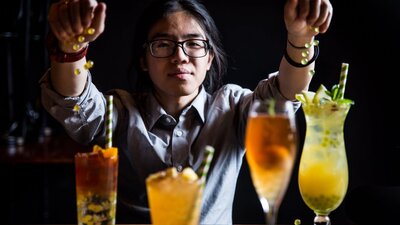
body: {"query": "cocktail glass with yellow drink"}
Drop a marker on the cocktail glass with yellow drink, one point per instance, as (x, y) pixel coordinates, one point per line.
(96, 186)
(323, 170)
(271, 144)
(175, 198)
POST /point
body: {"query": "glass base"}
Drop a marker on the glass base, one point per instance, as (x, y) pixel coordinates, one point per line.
(322, 220)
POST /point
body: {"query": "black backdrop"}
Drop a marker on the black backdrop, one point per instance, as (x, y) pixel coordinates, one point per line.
(361, 34)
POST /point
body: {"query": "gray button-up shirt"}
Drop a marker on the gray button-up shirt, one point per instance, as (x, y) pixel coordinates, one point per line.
(150, 140)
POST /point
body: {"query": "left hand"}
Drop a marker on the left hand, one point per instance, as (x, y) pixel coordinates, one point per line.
(303, 16)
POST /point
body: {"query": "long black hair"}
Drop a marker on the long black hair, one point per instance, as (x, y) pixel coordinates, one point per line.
(159, 9)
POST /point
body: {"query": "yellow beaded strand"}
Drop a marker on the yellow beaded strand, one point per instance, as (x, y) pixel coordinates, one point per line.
(89, 63)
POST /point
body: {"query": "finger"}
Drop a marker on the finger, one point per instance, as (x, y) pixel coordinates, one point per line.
(290, 9)
(58, 31)
(324, 27)
(304, 9)
(86, 9)
(64, 19)
(75, 15)
(314, 12)
(99, 18)
(55, 26)
(324, 18)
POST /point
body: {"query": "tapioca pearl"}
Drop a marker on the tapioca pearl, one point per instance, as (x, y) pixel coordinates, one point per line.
(95, 207)
(325, 142)
(90, 31)
(81, 38)
(89, 64)
(76, 47)
(87, 219)
(76, 108)
(77, 71)
(323, 201)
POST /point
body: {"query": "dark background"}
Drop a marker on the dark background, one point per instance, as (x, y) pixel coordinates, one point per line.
(362, 33)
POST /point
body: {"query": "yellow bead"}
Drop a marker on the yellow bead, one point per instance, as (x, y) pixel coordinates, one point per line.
(315, 42)
(307, 45)
(311, 73)
(304, 61)
(316, 29)
(76, 108)
(90, 30)
(77, 71)
(76, 47)
(81, 38)
(305, 53)
(88, 64)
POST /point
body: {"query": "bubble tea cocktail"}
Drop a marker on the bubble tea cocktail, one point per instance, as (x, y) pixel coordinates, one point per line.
(323, 170)
(96, 186)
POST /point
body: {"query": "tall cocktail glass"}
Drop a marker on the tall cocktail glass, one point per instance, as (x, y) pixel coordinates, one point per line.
(271, 144)
(323, 171)
(174, 198)
(96, 187)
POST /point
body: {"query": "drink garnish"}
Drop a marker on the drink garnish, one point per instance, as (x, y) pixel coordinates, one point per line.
(271, 107)
(187, 174)
(106, 153)
(324, 96)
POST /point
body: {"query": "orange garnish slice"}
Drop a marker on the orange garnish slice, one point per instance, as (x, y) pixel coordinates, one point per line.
(107, 153)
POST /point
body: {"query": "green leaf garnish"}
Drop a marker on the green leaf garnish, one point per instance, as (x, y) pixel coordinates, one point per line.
(271, 107)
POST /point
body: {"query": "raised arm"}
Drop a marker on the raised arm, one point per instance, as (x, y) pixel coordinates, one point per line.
(304, 19)
(70, 20)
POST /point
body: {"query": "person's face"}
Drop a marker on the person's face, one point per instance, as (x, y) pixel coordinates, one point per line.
(177, 75)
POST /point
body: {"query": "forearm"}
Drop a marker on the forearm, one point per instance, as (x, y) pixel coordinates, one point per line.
(81, 116)
(69, 79)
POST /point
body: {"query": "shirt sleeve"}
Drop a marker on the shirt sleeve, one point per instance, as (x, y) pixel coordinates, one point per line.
(81, 116)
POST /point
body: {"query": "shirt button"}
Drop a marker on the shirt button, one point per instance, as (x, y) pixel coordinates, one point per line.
(179, 168)
(178, 133)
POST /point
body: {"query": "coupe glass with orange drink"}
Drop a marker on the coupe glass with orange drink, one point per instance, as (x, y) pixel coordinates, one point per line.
(271, 144)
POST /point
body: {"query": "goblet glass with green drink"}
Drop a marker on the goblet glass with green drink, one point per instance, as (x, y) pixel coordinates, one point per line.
(323, 170)
(271, 144)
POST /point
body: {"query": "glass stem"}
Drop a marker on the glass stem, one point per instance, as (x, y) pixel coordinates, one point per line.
(271, 215)
(322, 220)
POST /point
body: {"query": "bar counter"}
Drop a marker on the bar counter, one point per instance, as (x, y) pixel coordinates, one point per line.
(57, 149)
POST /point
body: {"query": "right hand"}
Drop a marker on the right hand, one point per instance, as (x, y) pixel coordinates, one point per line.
(69, 19)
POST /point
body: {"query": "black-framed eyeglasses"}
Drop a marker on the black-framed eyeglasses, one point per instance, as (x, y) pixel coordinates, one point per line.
(163, 48)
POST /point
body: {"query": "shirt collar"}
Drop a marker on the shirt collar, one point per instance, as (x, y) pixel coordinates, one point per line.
(155, 111)
(199, 103)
